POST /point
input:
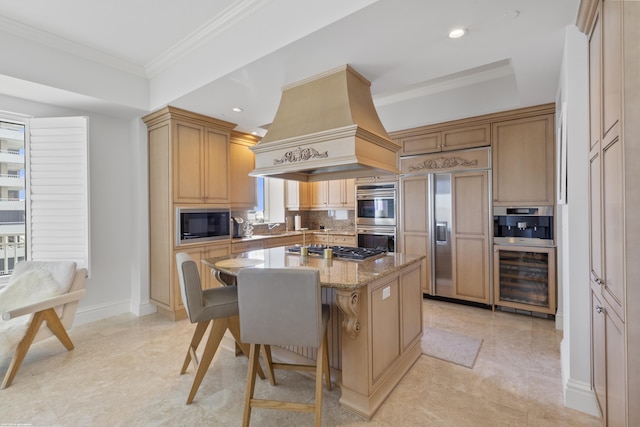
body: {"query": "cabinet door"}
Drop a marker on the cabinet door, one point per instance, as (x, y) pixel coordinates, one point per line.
(468, 137)
(523, 162)
(420, 144)
(335, 193)
(470, 236)
(595, 46)
(385, 327)
(613, 232)
(188, 176)
(296, 195)
(318, 194)
(243, 186)
(349, 194)
(213, 251)
(414, 222)
(216, 167)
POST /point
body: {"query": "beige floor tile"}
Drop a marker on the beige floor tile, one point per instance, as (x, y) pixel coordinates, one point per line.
(125, 372)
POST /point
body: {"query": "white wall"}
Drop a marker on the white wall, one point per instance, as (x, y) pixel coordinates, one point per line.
(573, 236)
(116, 201)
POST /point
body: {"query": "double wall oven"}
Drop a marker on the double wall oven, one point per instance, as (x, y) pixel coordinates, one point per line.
(376, 215)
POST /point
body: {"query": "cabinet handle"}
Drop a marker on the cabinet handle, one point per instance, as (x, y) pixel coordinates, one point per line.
(599, 309)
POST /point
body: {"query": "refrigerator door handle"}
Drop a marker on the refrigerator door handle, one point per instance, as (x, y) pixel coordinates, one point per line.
(441, 232)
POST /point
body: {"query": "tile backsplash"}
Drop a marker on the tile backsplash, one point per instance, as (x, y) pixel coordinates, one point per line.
(335, 220)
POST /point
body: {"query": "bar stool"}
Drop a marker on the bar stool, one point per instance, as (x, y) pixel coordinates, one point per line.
(283, 306)
(218, 306)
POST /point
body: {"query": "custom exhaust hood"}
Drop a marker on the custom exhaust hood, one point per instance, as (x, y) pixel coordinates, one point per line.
(326, 127)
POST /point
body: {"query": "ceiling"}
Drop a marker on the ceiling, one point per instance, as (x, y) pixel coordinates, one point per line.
(125, 58)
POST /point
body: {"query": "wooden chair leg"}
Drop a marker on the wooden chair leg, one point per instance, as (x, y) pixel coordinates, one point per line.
(268, 360)
(201, 327)
(325, 364)
(215, 336)
(251, 383)
(55, 325)
(234, 327)
(320, 367)
(23, 347)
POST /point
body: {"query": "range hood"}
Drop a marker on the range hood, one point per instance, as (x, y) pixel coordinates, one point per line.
(326, 128)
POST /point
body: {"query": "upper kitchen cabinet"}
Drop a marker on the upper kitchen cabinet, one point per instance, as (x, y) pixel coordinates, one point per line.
(443, 137)
(296, 195)
(335, 194)
(243, 187)
(523, 161)
(188, 156)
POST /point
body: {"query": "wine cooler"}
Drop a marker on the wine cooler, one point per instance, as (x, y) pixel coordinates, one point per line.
(525, 278)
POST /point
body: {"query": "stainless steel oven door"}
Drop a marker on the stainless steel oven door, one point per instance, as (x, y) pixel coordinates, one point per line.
(377, 238)
(376, 206)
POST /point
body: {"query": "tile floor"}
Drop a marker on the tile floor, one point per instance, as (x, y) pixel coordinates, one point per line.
(125, 372)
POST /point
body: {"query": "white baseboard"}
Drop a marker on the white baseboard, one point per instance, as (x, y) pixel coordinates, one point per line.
(579, 396)
(99, 312)
(143, 309)
(559, 320)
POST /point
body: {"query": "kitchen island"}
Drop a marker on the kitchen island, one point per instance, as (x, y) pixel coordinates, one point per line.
(376, 323)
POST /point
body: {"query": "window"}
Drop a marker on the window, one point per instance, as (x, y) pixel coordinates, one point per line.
(44, 209)
(12, 195)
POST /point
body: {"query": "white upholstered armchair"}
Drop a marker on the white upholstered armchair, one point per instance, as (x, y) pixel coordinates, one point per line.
(38, 292)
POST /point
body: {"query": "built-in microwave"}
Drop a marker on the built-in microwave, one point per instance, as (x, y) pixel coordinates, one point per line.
(195, 225)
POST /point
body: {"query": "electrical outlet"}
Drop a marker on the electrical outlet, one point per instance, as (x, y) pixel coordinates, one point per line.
(386, 292)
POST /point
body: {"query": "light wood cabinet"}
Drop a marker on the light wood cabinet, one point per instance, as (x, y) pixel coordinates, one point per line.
(188, 165)
(470, 237)
(612, 29)
(243, 187)
(198, 254)
(523, 161)
(335, 194)
(414, 222)
(334, 240)
(296, 195)
(451, 137)
(200, 163)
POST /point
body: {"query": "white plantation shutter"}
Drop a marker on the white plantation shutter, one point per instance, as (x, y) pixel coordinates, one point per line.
(58, 182)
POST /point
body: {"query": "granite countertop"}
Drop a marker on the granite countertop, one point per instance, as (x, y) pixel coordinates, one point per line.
(292, 233)
(334, 273)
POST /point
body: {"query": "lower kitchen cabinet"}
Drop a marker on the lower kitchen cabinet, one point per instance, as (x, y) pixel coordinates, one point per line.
(609, 373)
(165, 287)
(525, 278)
(334, 240)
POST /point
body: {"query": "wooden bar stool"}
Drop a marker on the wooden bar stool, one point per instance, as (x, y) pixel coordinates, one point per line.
(218, 306)
(283, 306)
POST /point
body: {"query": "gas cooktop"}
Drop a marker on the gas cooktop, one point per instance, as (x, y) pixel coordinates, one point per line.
(342, 252)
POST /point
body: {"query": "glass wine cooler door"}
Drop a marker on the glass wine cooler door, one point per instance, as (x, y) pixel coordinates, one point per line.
(525, 278)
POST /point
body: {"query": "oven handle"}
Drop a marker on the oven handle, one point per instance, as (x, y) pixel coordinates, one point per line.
(376, 231)
(364, 195)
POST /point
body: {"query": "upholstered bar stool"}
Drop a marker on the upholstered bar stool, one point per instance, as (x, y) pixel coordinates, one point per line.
(283, 306)
(218, 306)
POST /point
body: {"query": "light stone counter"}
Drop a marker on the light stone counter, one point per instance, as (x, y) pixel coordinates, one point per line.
(376, 318)
(334, 273)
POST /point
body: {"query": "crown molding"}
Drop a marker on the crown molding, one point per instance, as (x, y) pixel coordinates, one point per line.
(203, 34)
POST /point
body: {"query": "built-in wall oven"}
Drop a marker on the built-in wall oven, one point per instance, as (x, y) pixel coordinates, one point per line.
(376, 204)
(376, 213)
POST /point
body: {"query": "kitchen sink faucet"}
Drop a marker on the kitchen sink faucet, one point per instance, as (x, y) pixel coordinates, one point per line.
(272, 226)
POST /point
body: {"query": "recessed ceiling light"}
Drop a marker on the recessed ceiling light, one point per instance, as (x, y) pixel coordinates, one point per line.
(237, 109)
(456, 33)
